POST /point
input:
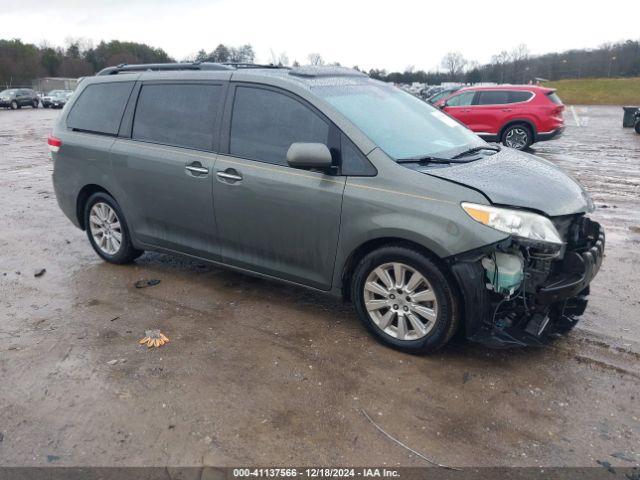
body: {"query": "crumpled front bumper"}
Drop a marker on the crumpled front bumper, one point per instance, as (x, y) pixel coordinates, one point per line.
(578, 269)
(555, 302)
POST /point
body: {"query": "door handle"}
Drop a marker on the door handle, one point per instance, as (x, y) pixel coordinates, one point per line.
(229, 174)
(197, 168)
(506, 110)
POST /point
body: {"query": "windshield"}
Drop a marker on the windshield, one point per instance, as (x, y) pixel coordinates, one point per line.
(399, 123)
(8, 92)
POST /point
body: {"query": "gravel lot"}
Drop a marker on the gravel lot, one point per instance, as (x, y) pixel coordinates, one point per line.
(260, 373)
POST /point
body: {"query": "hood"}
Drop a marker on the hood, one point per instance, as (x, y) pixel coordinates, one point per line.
(519, 179)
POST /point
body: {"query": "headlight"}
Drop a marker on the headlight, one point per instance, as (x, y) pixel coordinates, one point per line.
(515, 222)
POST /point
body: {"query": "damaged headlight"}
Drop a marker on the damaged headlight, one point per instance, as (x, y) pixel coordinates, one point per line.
(518, 223)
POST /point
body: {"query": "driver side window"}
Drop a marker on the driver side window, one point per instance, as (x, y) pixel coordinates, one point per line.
(461, 100)
(265, 123)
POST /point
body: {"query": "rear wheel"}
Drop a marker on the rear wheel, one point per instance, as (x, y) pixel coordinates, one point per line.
(517, 136)
(107, 229)
(637, 126)
(14, 105)
(405, 300)
(35, 104)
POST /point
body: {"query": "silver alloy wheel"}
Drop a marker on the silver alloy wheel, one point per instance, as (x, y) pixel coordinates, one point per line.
(400, 301)
(517, 138)
(105, 228)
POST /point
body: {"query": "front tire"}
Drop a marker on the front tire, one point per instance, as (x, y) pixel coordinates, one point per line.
(107, 230)
(14, 105)
(405, 299)
(517, 136)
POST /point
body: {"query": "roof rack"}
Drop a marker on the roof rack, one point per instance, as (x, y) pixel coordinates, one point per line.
(253, 65)
(144, 67)
(311, 71)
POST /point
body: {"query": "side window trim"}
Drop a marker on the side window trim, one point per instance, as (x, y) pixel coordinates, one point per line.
(126, 124)
(132, 105)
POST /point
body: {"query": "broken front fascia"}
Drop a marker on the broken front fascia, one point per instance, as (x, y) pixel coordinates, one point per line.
(541, 289)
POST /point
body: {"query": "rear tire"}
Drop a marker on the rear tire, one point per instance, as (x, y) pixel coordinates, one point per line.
(517, 136)
(14, 105)
(412, 317)
(107, 229)
(35, 104)
(637, 126)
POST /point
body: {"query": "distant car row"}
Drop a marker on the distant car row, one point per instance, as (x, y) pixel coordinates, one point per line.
(15, 98)
(516, 115)
(56, 98)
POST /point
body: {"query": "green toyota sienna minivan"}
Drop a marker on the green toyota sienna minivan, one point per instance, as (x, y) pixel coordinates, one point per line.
(325, 178)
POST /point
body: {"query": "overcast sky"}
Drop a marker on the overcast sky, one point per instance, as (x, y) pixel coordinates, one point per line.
(391, 34)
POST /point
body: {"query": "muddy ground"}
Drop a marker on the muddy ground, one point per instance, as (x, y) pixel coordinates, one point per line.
(261, 373)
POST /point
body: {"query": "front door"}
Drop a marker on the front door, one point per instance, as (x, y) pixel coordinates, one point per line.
(460, 107)
(165, 169)
(272, 218)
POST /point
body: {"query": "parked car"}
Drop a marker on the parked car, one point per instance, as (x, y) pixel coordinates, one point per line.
(56, 98)
(517, 116)
(15, 98)
(325, 178)
(429, 91)
(442, 94)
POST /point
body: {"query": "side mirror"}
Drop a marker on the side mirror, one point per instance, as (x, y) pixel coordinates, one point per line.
(309, 155)
(442, 106)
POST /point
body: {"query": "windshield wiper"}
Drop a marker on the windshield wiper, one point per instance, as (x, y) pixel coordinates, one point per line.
(423, 159)
(477, 149)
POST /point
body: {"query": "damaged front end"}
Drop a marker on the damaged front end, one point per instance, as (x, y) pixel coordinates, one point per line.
(520, 291)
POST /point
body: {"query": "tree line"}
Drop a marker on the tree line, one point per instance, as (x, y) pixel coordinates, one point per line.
(620, 59)
(20, 63)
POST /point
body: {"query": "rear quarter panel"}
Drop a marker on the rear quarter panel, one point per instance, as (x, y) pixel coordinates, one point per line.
(82, 160)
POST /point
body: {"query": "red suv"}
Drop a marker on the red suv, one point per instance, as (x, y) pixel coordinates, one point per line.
(517, 116)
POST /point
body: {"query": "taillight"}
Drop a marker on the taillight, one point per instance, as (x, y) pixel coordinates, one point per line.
(54, 143)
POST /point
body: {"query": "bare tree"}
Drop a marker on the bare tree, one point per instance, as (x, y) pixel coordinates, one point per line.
(454, 63)
(279, 59)
(520, 53)
(315, 59)
(500, 61)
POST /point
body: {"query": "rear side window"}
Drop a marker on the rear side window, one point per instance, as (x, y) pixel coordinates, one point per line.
(265, 124)
(554, 98)
(493, 97)
(517, 96)
(181, 115)
(100, 107)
